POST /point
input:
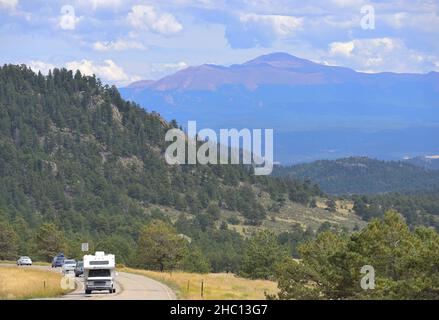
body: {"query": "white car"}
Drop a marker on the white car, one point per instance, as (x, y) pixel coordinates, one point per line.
(69, 266)
(24, 261)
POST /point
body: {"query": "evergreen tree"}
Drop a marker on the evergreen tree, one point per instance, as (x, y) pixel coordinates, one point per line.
(49, 241)
(405, 264)
(195, 261)
(8, 242)
(159, 246)
(262, 255)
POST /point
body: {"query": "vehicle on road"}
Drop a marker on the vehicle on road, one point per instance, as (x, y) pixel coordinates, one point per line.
(79, 270)
(24, 261)
(58, 260)
(99, 272)
(69, 266)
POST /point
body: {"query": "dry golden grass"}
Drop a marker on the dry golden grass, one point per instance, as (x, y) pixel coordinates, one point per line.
(217, 286)
(34, 263)
(27, 283)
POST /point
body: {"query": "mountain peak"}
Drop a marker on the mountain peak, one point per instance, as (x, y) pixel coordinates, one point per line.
(280, 60)
(276, 56)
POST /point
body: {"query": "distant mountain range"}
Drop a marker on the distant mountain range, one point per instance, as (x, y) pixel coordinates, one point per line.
(360, 175)
(317, 111)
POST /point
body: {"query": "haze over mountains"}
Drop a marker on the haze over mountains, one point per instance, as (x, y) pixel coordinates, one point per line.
(317, 111)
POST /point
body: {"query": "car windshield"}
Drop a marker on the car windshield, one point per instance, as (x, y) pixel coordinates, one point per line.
(99, 273)
(24, 258)
(69, 262)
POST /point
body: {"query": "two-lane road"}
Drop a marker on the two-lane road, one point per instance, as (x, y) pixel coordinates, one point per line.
(128, 287)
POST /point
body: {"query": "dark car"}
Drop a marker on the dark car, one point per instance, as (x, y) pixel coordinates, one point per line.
(79, 270)
(58, 260)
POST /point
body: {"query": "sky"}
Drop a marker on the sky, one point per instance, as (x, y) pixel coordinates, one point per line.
(122, 41)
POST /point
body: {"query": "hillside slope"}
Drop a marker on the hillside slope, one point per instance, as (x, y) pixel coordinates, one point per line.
(427, 162)
(360, 175)
(74, 153)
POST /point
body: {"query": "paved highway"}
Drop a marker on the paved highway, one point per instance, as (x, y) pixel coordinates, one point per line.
(128, 287)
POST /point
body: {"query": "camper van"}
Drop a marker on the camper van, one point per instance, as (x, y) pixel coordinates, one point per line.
(99, 272)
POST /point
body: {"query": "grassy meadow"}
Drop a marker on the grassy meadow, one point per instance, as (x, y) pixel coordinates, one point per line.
(27, 283)
(220, 286)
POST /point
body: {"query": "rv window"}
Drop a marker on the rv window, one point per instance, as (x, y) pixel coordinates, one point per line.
(99, 273)
(98, 263)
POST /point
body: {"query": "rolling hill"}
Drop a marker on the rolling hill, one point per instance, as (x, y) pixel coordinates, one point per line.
(360, 175)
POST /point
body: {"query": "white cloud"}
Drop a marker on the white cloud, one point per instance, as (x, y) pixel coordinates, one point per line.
(146, 17)
(377, 46)
(379, 54)
(281, 25)
(373, 62)
(168, 67)
(365, 47)
(108, 70)
(331, 21)
(427, 21)
(341, 48)
(396, 20)
(8, 4)
(159, 70)
(97, 4)
(347, 3)
(118, 45)
(43, 67)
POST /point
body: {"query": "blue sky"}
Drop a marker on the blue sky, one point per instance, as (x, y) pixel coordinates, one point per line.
(122, 40)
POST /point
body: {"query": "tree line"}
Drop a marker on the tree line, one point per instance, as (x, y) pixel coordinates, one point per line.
(160, 245)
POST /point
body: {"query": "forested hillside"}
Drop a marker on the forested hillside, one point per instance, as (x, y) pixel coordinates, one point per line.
(360, 175)
(419, 209)
(76, 155)
(427, 162)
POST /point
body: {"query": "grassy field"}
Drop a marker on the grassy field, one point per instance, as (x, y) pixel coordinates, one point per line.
(27, 283)
(221, 286)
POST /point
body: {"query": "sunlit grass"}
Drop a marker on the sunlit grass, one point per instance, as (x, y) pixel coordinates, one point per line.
(217, 286)
(34, 263)
(27, 283)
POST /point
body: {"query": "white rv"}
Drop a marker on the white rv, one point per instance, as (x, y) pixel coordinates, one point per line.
(99, 272)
